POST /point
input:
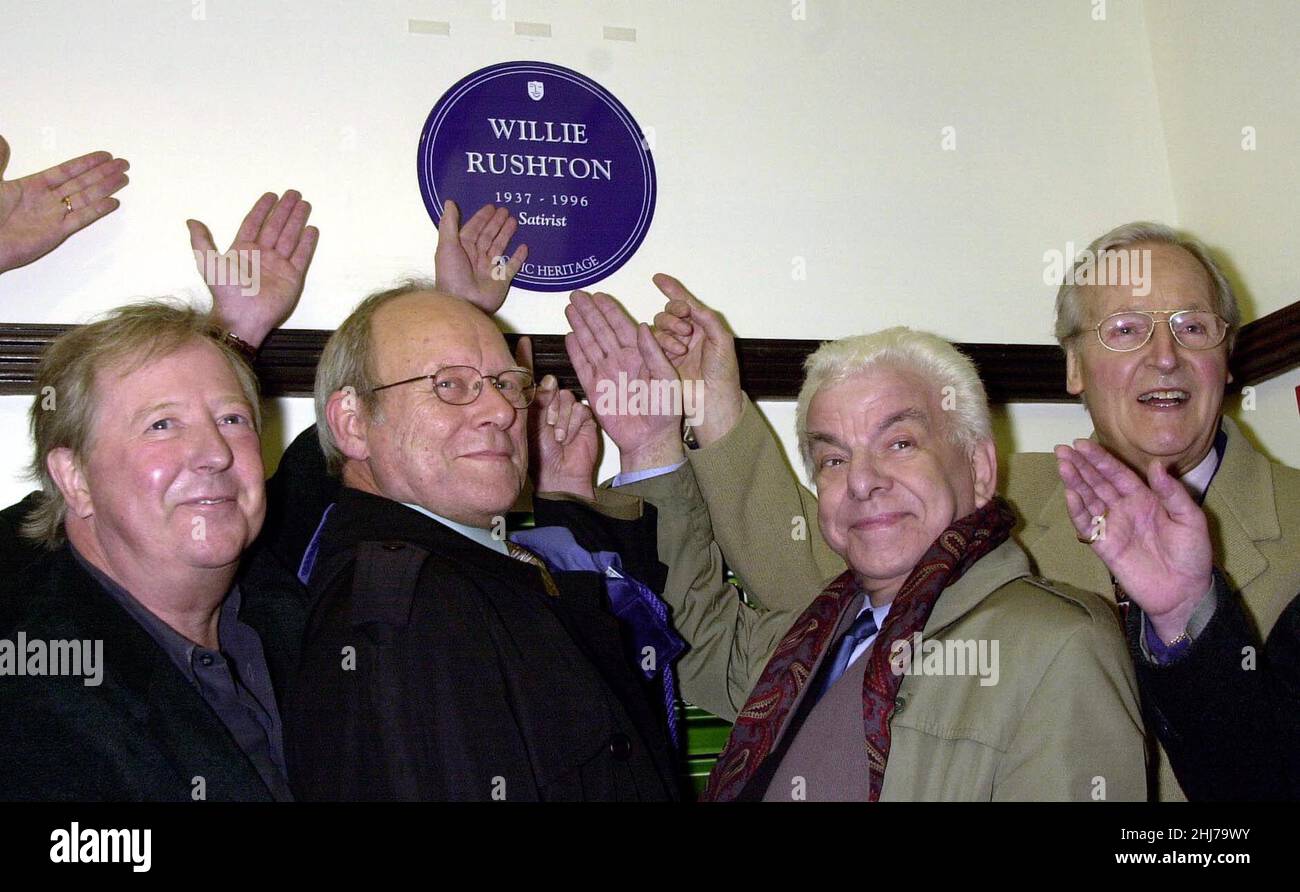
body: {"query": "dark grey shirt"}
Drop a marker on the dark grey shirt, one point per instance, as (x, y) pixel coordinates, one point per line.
(233, 680)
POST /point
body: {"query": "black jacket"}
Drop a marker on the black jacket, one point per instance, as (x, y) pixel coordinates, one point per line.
(1228, 711)
(435, 668)
(63, 740)
(16, 553)
(144, 733)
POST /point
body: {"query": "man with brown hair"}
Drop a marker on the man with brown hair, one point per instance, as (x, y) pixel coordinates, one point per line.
(142, 643)
(146, 435)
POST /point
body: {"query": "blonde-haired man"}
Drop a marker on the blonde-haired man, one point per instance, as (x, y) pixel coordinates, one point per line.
(146, 663)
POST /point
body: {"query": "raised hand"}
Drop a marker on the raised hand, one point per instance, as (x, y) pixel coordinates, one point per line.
(256, 282)
(39, 211)
(470, 261)
(564, 441)
(1154, 539)
(631, 385)
(703, 350)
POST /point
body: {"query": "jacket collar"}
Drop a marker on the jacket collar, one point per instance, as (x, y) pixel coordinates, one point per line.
(481, 536)
(364, 517)
(1001, 565)
(79, 599)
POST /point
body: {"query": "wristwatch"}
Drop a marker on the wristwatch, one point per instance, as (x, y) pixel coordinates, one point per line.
(240, 346)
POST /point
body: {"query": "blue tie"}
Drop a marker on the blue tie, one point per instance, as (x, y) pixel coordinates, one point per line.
(863, 628)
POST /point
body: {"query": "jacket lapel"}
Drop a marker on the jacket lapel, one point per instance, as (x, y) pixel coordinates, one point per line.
(160, 699)
(1050, 539)
(1240, 508)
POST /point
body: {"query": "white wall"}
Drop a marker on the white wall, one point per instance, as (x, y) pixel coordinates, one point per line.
(1222, 68)
(778, 141)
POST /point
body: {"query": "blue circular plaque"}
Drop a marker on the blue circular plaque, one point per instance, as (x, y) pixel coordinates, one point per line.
(559, 151)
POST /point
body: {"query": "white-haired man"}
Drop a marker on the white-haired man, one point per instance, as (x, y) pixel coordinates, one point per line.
(936, 667)
(1147, 320)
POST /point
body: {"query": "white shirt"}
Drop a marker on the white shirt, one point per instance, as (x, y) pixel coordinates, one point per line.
(1197, 480)
(477, 534)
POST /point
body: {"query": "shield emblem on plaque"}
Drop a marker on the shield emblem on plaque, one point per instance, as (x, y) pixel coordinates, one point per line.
(536, 90)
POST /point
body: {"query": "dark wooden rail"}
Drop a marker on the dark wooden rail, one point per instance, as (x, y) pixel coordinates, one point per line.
(770, 368)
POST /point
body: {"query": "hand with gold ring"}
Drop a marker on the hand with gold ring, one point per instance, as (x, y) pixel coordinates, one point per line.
(1098, 526)
(39, 211)
(1151, 534)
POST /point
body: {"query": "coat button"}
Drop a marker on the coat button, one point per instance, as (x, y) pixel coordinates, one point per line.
(899, 703)
(620, 747)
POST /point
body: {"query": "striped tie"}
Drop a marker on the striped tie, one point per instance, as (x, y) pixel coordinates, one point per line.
(519, 553)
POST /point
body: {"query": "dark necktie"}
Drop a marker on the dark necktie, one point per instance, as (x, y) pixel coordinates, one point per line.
(863, 628)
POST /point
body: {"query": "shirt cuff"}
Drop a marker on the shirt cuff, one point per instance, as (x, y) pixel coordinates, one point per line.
(1163, 654)
(646, 474)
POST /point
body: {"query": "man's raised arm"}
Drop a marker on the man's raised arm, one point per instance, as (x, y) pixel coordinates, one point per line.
(729, 640)
(764, 519)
